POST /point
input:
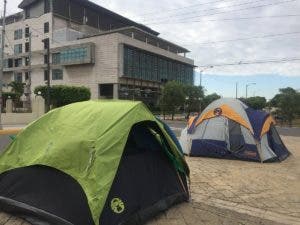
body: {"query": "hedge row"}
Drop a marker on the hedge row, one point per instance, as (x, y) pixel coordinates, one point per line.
(61, 95)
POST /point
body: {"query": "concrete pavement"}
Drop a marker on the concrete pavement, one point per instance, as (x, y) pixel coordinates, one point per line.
(239, 192)
(231, 192)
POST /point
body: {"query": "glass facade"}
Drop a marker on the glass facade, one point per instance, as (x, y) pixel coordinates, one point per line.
(70, 56)
(75, 54)
(144, 65)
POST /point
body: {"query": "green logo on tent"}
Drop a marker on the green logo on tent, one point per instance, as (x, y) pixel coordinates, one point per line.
(117, 205)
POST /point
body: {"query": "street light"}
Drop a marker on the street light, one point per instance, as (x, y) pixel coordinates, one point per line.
(247, 85)
(201, 71)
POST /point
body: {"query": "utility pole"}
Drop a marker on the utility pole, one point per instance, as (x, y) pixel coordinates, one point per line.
(247, 85)
(236, 90)
(47, 43)
(201, 73)
(2, 61)
(27, 90)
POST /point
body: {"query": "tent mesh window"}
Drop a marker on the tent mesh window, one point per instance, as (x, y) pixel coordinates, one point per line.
(236, 137)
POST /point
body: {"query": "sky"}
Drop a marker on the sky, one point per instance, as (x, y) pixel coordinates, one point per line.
(219, 32)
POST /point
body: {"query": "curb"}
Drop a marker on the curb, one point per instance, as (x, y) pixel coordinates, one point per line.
(10, 131)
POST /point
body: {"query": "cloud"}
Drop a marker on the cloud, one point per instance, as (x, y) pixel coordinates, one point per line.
(190, 34)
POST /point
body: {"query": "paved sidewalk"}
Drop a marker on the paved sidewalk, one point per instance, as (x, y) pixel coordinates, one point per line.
(239, 192)
(228, 192)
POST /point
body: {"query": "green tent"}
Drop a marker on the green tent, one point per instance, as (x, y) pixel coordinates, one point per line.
(94, 162)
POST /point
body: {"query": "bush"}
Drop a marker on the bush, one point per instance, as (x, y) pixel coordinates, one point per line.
(61, 95)
(12, 95)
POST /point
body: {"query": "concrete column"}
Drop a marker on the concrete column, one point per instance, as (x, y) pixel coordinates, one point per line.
(121, 60)
(38, 106)
(116, 91)
(9, 106)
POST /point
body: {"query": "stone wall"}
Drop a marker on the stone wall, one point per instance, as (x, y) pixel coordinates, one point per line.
(9, 118)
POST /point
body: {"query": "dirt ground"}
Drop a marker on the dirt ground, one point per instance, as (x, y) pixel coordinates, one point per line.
(231, 192)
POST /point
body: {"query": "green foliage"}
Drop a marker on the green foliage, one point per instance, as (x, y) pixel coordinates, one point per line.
(17, 87)
(172, 97)
(209, 99)
(61, 95)
(288, 104)
(194, 96)
(12, 95)
(257, 102)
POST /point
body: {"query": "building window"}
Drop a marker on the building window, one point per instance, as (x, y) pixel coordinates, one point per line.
(18, 62)
(18, 49)
(46, 27)
(18, 77)
(46, 74)
(46, 59)
(57, 74)
(27, 47)
(73, 55)
(56, 58)
(47, 6)
(18, 34)
(27, 32)
(106, 90)
(27, 13)
(46, 43)
(10, 63)
(27, 60)
(27, 74)
(148, 66)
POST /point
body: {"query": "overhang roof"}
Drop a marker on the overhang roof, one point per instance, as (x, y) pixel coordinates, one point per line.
(141, 35)
(26, 3)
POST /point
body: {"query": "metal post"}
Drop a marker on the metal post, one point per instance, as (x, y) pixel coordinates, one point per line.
(247, 85)
(29, 71)
(48, 75)
(201, 78)
(2, 60)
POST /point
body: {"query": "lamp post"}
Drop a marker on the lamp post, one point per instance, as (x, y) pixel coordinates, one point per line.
(247, 85)
(200, 105)
(186, 107)
(201, 72)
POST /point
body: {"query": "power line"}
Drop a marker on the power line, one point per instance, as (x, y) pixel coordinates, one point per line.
(205, 10)
(58, 42)
(247, 38)
(184, 8)
(233, 19)
(224, 12)
(283, 60)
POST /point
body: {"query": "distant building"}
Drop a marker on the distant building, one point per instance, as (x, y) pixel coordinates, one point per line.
(90, 46)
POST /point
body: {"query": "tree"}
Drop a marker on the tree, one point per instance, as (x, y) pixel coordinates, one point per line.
(194, 95)
(209, 99)
(288, 104)
(172, 97)
(257, 102)
(17, 87)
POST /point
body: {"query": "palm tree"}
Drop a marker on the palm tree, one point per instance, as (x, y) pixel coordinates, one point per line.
(17, 87)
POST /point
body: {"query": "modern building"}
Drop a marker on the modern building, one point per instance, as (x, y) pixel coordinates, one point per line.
(90, 46)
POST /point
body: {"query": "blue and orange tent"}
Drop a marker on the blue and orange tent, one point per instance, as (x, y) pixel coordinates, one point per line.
(228, 128)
